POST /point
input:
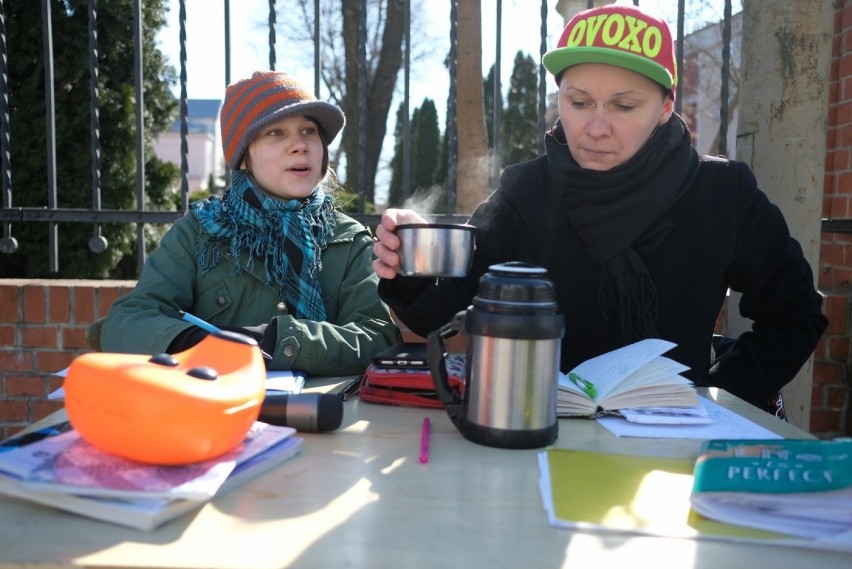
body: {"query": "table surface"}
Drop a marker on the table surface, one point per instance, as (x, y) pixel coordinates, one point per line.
(359, 497)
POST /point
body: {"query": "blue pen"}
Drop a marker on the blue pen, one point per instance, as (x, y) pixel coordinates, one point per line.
(208, 327)
(23, 440)
(587, 386)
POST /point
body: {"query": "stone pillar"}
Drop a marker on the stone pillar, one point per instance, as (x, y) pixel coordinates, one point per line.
(786, 58)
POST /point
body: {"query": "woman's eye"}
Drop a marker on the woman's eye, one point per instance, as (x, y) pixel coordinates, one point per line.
(623, 107)
(307, 131)
(580, 105)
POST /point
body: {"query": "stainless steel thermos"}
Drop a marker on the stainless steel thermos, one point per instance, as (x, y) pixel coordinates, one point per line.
(514, 329)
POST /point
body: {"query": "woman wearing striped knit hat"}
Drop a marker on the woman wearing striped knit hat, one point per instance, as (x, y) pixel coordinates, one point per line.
(274, 258)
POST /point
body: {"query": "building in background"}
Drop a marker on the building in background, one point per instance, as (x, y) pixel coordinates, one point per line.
(702, 86)
(205, 163)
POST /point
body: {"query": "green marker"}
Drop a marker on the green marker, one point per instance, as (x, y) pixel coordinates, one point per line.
(587, 386)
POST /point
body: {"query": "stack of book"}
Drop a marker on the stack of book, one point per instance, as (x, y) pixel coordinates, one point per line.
(63, 471)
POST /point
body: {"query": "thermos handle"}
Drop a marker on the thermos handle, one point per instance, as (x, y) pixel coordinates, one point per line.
(438, 367)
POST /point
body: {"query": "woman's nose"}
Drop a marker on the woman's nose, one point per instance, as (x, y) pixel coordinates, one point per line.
(598, 124)
(298, 145)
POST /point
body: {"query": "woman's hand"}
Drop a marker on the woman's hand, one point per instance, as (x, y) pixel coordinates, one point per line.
(386, 244)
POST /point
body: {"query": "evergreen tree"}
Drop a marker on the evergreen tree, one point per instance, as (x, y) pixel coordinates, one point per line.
(519, 126)
(28, 147)
(425, 153)
(395, 187)
(441, 173)
(488, 103)
(425, 145)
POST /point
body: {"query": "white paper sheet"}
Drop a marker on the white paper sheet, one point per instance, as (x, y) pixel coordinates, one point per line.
(725, 425)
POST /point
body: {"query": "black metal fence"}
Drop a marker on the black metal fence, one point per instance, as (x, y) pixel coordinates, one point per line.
(96, 215)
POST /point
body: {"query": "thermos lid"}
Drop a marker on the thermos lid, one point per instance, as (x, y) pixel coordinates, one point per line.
(516, 282)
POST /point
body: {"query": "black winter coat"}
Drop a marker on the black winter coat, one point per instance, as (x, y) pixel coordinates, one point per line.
(726, 234)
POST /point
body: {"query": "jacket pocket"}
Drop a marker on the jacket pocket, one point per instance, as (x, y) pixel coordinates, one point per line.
(214, 300)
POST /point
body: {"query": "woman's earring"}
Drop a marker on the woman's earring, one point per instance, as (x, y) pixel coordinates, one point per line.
(553, 125)
(554, 122)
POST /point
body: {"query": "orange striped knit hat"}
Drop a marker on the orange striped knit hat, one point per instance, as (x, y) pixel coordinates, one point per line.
(268, 96)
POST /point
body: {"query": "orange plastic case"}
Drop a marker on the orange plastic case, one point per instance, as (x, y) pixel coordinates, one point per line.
(168, 409)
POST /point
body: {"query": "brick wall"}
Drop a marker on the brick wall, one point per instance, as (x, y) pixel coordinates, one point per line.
(830, 404)
(42, 329)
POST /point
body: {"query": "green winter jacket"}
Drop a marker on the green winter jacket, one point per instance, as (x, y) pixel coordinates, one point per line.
(358, 323)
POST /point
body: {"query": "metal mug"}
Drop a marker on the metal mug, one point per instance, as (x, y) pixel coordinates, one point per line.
(435, 249)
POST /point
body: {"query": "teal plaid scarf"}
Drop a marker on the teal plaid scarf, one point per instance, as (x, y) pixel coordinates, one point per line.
(288, 236)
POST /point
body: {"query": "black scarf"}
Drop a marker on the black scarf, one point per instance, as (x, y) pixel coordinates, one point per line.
(620, 215)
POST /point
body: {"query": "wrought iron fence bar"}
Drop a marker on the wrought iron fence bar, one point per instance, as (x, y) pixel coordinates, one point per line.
(362, 105)
(227, 25)
(317, 48)
(140, 129)
(406, 104)
(542, 80)
(726, 70)
(271, 18)
(183, 111)
(71, 215)
(50, 132)
(681, 7)
(452, 131)
(94, 112)
(7, 243)
(97, 243)
(497, 88)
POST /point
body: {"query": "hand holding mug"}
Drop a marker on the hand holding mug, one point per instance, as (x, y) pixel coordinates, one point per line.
(386, 244)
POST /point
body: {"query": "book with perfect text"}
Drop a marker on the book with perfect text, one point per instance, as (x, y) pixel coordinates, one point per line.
(796, 487)
(635, 376)
(119, 497)
(644, 495)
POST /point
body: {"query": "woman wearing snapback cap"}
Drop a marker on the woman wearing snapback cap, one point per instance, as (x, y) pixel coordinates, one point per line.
(641, 236)
(273, 258)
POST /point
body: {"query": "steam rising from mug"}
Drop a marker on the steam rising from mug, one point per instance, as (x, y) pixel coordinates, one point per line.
(307, 412)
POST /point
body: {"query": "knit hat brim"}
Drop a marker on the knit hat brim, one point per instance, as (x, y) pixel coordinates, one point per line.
(253, 104)
(329, 117)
